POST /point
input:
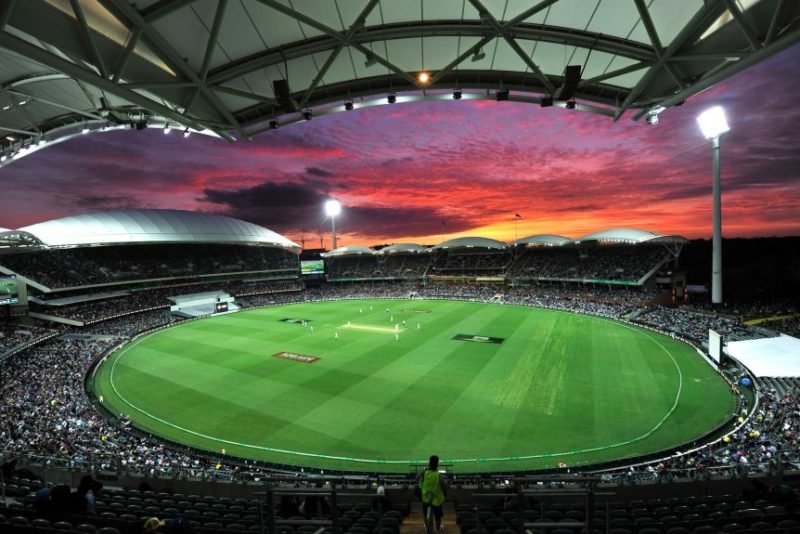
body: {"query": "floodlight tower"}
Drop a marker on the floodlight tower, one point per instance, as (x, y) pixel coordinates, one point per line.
(333, 208)
(714, 125)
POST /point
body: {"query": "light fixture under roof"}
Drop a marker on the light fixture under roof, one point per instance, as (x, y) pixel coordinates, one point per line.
(391, 98)
(85, 129)
(456, 94)
(273, 124)
(348, 105)
(478, 55)
(186, 133)
(423, 77)
(307, 114)
(167, 129)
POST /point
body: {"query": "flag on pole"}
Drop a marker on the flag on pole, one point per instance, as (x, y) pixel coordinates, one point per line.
(517, 216)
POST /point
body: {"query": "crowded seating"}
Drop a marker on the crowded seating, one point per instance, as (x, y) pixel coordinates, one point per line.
(87, 266)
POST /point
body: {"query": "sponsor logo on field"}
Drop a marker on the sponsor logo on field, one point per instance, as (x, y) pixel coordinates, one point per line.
(412, 310)
(293, 356)
(292, 320)
(478, 339)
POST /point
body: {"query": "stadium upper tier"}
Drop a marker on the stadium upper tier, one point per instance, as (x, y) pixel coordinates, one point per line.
(148, 226)
(615, 236)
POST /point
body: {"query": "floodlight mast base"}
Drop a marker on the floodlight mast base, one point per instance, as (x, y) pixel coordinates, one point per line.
(333, 228)
(716, 243)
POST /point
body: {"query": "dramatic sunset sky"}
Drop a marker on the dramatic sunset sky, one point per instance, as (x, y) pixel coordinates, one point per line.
(424, 172)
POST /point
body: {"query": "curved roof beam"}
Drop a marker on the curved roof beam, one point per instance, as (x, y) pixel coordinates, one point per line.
(453, 28)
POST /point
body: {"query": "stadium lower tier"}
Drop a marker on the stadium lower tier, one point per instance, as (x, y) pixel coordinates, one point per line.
(379, 385)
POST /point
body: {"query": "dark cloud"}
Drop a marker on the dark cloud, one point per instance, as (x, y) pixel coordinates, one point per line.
(293, 207)
(107, 202)
(316, 171)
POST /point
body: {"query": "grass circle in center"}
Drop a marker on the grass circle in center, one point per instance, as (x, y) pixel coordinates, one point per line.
(376, 385)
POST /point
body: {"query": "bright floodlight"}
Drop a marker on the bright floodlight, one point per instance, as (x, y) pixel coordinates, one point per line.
(713, 122)
(333, 208)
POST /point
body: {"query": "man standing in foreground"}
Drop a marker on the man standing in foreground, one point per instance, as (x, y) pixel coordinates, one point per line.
(433, 489)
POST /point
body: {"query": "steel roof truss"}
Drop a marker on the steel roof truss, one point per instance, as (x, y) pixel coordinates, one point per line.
(647, 20)
(339, 36)
(6, 8)
(130, 46)
(501, 31)
(168, 53)
(357, 24)
(210, 45)
(699, 21)
(743, 21)
(88, 40)
(48, 59)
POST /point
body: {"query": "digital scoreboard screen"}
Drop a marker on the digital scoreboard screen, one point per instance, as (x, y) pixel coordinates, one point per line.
(8, 290)
(312, 267)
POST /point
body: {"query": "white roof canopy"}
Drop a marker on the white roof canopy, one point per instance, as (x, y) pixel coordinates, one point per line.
(231, 67)
(471, 242)
(402, 248)
(152, 226)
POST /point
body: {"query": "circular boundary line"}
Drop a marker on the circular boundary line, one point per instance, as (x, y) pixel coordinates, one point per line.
(647, 434)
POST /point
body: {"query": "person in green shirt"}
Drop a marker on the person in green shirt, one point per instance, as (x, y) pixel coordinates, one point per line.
(433, 488)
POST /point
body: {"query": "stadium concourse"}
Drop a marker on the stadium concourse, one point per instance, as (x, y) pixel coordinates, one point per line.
(86, 284)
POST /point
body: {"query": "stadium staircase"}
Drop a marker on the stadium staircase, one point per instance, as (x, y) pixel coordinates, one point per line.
(415, 523)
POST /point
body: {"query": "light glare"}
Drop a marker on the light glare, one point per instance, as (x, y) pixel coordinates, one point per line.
(713, 122)
(333, 208)
(424, 77)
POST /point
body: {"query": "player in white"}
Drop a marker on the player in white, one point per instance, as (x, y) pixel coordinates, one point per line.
(336, 335)
(397, 337)
(396, 326)
(312, 328)
(418, 326)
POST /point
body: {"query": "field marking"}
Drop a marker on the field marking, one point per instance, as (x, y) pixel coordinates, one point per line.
(647, 434)
(373, 328)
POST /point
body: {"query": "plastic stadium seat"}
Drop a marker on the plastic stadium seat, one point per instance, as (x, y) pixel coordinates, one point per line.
(649, 530)
(108, 530)
(733, 527)
(40, 523)
(789, 524)
(62, 525)
(87, 528)
(705, 529)
(236, 527)
(18, 520)
(677, 530)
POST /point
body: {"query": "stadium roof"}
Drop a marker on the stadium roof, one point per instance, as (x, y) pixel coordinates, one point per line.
(151, 226)
(630, 235)
(402, 248)
(543, 239)
(229, 68)
(470, 242)
(347, 251)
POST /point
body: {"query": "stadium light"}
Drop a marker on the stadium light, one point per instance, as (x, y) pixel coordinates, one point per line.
(713, 124)
(333, 208)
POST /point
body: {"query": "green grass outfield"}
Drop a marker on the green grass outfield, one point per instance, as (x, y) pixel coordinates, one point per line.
(560, 387)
